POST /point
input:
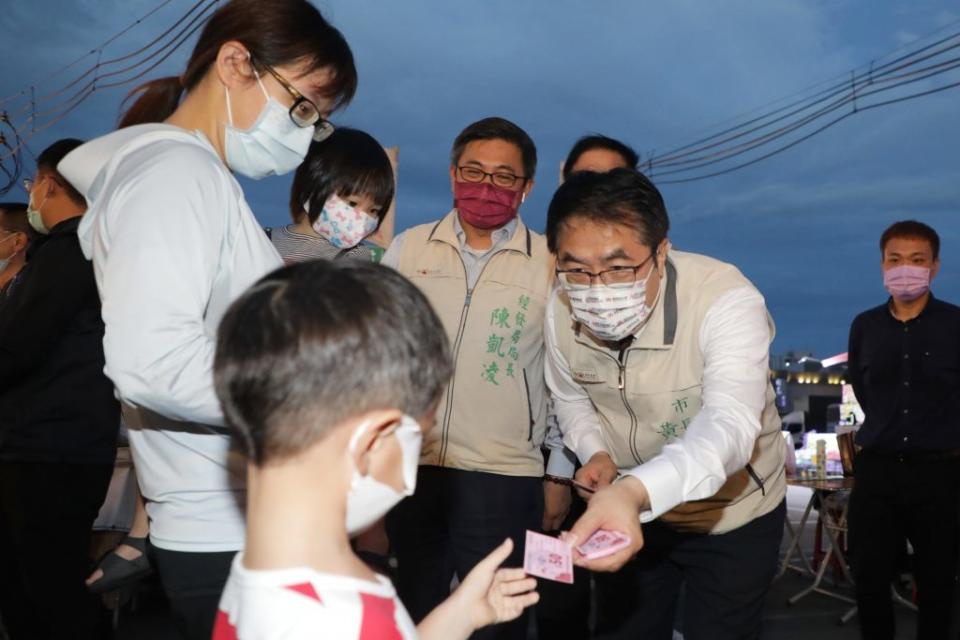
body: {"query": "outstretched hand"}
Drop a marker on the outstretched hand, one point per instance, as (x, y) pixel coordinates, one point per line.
(493, 595)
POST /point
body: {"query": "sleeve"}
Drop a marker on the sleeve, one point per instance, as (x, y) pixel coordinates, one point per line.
(42, 307)
(576, 417)
(562, 461)
(853, 362)
(391, 257)
(735, 340)
(166, 227)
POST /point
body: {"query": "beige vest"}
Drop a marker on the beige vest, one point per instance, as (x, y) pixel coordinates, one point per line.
(647, 394)
(492, 417)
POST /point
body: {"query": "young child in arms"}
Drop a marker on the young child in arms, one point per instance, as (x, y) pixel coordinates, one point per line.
(328, 373)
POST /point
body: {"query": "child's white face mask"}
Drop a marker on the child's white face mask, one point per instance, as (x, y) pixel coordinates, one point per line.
(369, 499)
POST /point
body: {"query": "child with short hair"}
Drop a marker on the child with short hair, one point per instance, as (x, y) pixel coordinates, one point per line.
(326, 372)
(340, 196)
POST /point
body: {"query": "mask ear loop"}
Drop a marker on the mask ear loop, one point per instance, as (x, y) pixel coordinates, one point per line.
(30, 198)
(259, 81)
(229, 110)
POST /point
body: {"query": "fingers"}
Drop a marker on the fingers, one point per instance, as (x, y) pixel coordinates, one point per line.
(524, 601)
(586, 475)
(610, 563)
(508, 575)
(513, 587)
(586, 526)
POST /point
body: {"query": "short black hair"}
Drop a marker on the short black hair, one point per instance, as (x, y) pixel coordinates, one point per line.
(621, 196)
(349, 162)
(50, 157)
(597, 141)
(911, 229)
(497, 129)
(13, 218)
(313, 344)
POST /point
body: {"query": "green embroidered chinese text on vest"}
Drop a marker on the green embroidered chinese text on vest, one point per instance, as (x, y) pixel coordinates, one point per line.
(492, 417)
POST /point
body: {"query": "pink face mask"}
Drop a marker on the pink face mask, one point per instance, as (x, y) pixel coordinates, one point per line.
(484, 205)
(907, 282)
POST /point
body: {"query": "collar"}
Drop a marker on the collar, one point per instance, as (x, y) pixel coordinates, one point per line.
(66, 226)
(932, 306)
(450, 231)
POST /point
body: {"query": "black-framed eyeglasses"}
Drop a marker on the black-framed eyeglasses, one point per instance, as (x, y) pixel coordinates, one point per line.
(623, 275)
(304, 112)
(499, 178)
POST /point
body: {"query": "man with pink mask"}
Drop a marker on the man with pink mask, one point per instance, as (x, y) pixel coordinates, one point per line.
(904, 363)
(488, 277)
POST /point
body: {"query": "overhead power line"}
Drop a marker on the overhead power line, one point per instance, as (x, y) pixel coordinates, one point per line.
(802, 116)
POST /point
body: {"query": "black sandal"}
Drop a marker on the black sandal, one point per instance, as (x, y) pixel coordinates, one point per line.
(119, 572)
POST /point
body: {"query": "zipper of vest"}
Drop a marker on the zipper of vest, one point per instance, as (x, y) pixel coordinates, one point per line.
(453, 378)
(622, 385)
(456, 349)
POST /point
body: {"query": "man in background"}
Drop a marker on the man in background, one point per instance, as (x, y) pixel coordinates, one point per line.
(58, 421)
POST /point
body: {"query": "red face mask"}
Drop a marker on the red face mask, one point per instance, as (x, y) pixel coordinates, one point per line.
(485, 205)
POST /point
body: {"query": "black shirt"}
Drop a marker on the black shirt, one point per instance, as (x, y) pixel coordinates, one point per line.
(906, 376)
(56, 404)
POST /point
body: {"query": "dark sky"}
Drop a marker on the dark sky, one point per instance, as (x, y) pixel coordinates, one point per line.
(803, 225)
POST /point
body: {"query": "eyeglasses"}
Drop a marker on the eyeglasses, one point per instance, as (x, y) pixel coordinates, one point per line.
(499, 178)
(304, 112)
(615, 276)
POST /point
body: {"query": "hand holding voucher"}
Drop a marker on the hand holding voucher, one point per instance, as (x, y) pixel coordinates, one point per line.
(615, 508)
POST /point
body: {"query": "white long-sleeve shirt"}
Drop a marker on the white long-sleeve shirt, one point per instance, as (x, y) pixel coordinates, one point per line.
(734, 340)
(173, 243)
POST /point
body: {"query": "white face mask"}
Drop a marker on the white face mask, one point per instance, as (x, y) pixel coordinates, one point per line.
(369, 499)
(344, 226)
(274, 145)
(33, 213)
(611, 312)
(5, 262)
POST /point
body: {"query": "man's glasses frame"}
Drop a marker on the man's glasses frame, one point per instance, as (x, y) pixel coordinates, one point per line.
(503, 179)
(621, 275)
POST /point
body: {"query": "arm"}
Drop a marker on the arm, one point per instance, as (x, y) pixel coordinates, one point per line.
(576, 418)
(853, 363)
(576, 415)
(158, 274)
(734, 339)
(562, 461)
(557, 497)
(39, 312)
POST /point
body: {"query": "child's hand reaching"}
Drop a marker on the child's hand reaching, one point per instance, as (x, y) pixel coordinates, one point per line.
(495, 595)
(487, 595)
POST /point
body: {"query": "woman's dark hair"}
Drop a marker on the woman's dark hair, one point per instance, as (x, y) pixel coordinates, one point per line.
(316, 343)
(349, 162)
(621, 196)
(277, 32)
(911, 229)
(13, 219)
(597, 141)
(497, 129)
